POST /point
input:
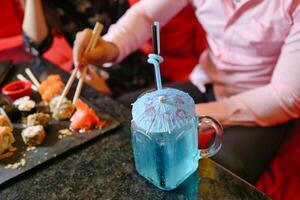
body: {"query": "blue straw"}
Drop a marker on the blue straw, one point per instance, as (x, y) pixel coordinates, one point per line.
(155, 60)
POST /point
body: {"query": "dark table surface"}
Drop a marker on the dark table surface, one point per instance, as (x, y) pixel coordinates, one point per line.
(104, 167)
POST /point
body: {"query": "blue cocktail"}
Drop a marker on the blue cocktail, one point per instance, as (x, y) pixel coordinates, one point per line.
(164, 132)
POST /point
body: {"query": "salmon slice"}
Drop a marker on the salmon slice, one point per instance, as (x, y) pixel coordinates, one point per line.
(85, 117)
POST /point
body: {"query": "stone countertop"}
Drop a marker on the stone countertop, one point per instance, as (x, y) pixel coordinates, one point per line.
(104, 167)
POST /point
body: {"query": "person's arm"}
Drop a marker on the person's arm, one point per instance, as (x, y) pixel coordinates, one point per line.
(132, 29)
(36, 36)
(272, 104)
(34, 23)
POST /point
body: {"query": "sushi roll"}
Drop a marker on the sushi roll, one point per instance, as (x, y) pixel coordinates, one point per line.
(33, 135)
(25, 105)
(5, 122)
(38, 119)
(51, 87)
(65, 110)
(6, 138)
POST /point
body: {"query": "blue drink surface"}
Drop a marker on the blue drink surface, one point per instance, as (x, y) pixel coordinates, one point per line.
(166, 159)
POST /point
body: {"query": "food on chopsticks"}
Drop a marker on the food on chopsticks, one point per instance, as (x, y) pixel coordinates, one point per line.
(6, 141)
(51, 87)
(64, 111)
(33, 135)
(85, 118)
(25, 105)
(38, 119)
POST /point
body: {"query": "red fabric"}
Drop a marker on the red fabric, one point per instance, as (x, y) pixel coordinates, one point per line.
(10, 42)
(282, 180)
(9, 19)
(60, 53)
(11, 49)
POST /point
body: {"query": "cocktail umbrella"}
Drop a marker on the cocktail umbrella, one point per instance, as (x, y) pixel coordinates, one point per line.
(163, 110)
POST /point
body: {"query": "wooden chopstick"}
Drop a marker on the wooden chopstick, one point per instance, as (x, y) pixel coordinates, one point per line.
(79, 86)
(92, 43)
(32, 77)
(67, 87)
(22, 78)
(96, 32)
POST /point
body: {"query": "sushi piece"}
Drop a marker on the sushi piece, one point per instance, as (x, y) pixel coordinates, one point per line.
(65, 109)
(5, 122)
(25, 105)
(38, 119)
(85, 118)
(51, 87)
(33, 135)
(6, 138)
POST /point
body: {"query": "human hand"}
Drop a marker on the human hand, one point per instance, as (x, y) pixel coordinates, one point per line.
(216, 110)
(102, 53)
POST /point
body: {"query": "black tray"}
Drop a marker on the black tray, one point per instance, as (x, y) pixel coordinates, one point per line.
(52, 145)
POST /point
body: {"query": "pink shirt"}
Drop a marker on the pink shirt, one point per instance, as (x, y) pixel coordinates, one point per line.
(253, 58)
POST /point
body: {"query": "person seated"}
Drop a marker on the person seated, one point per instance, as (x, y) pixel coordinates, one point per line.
(182, 40)
(248, 78)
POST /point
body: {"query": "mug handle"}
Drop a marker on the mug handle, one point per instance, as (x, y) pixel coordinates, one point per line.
(206, 124)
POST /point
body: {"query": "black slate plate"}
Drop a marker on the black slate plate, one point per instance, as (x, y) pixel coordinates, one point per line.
(52, 145)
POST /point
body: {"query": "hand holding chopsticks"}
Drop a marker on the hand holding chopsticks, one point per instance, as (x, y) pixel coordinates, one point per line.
(92, 43)
(96, 32)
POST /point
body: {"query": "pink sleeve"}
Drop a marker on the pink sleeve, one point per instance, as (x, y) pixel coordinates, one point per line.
(272, 104)
(134, 28)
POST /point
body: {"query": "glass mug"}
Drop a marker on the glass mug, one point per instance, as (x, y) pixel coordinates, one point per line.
(166, 159)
